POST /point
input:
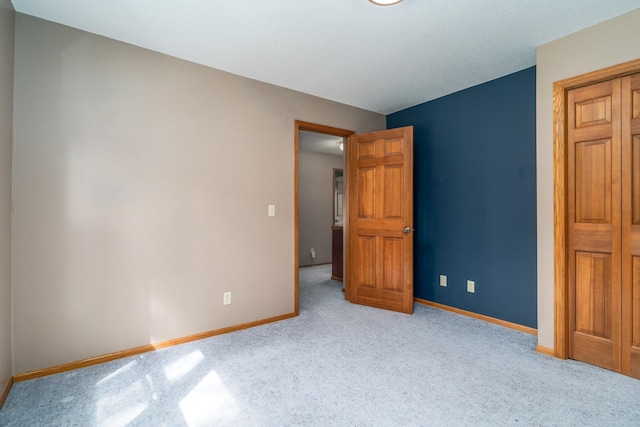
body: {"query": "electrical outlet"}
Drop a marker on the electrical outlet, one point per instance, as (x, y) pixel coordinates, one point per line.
(272, 210)
(443, 280)
(313, 253)
(471, 286)
(226, 298)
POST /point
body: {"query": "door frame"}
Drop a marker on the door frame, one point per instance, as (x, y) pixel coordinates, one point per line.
(561, 266)
(328, 130)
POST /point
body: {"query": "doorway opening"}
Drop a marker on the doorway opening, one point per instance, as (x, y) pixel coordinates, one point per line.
(308, 135)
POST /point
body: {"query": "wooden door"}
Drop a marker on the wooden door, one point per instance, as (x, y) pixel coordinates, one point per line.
(380, 219)
(631, 225)
(594, 224)
(604, 224)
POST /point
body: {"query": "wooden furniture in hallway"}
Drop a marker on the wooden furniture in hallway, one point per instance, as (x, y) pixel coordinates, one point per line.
(337, 251)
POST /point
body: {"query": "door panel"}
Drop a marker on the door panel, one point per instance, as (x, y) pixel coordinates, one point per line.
(635, 176)
(366, 186)
(631, 225)
(367, 262)
(593, 111)
(594, 219)
(634, 236)
(593, 181)
(593, 319)
(393, 185)
(380, 254)
(392, 264)
(604, 224)
(593, 294)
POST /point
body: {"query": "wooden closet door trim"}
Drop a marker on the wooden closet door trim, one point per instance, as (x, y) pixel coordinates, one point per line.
(560, 89)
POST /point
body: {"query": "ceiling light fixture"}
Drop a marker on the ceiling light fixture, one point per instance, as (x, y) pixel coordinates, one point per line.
(385, 2)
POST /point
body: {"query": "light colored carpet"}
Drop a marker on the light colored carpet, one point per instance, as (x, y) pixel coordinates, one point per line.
(337, 364)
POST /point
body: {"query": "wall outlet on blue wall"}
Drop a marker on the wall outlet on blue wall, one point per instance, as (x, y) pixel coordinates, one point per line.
(471, 286)
(443, 280)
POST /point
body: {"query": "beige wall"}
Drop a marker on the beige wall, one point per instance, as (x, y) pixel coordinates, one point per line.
(609, 43)
(7, 19)
(316, 205)
(141, 185)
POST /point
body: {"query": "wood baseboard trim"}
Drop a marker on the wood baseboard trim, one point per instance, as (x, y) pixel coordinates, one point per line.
(336, 278)
(314, 265)
(5, 392)
(142, 349)
(545, 350)
(489, 319)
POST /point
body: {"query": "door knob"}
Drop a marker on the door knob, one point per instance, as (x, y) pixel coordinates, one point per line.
(406, 230)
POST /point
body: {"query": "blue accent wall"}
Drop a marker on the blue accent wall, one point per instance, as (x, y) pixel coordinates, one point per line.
(475, 197)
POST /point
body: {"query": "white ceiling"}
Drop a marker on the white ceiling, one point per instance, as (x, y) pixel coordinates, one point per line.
(382, 59)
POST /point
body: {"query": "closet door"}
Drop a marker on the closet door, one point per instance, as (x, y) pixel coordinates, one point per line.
(631, 225)
(594, 224)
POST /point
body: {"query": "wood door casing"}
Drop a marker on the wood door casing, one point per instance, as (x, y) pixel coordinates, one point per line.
(594, 224)
(313, 127)
(380, 254)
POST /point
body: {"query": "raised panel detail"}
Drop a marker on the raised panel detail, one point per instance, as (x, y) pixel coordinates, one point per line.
(635, 185)
(366, 149)
(593, 294)
(393, 147)
(366, 200)
(635, 110)
(593, 112)
(393, 256)
(635, 301)
(393, 184)
(367, 262)
(593, 181)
